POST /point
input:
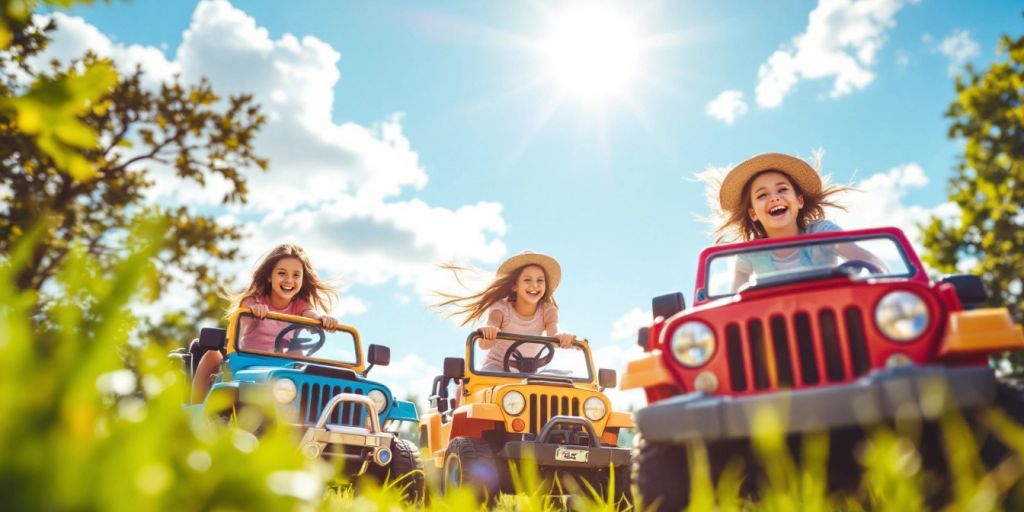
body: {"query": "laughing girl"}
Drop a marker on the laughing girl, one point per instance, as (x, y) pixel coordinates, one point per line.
(773, 195)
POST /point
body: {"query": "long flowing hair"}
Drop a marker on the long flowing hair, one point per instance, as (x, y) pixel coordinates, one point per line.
(472, 307)
(739, 226)
(318, 293)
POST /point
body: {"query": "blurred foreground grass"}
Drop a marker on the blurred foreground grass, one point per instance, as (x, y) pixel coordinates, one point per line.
(91, 419)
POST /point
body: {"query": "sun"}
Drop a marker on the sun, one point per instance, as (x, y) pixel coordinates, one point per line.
(592, 52)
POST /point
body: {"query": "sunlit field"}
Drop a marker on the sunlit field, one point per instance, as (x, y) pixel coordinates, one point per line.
(79, 431)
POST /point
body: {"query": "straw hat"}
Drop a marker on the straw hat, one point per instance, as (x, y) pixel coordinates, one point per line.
(730, 195)
(551, 268)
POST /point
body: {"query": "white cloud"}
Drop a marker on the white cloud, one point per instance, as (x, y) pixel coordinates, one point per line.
(959, 48)
(410, 375)
(626, 327)
(727, 107)
(74, 36)
(841, 41)
(348, 307)
(880, 201)
(369, 241)
(902, 59)
(331, 186)
(614, 357)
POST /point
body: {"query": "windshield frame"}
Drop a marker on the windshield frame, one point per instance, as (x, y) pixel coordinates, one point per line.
(235, 336)
(471, 349)
(837, 237)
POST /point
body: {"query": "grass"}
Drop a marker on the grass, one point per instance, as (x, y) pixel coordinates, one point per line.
(91, 419)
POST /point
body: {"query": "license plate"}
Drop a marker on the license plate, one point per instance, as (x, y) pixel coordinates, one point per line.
(571, 454)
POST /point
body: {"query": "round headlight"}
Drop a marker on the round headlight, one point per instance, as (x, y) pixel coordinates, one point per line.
(902, 316)
(594, 408)
(284, 390)
(513, 402)
(380, 400)
(692, 344)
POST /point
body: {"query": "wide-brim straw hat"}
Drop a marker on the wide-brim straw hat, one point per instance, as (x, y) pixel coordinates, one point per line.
(552, 270)
(730, 195)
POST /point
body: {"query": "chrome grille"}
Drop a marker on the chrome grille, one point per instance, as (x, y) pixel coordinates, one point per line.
(314, 397)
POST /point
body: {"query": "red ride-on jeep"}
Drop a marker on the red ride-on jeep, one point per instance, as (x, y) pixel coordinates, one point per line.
(848, 336)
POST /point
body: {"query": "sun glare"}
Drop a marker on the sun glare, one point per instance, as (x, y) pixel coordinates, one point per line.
(592, 52)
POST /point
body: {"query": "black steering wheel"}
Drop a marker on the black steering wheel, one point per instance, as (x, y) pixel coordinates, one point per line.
(297, 344)
(853, 267)
(526, 364)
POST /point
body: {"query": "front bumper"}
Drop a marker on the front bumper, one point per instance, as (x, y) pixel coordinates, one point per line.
(358, 444)
(545, 455)
(552, 454)
(909, 391)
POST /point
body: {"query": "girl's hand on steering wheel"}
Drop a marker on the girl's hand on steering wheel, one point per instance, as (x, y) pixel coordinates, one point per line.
(565, 339)
(259, 310)
(329, 322)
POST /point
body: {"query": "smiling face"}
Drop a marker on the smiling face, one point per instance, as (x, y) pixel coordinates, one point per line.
(285, 281)
(775, 203)
(531, 285)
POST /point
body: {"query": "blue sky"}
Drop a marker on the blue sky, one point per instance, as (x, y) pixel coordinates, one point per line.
(404, 134)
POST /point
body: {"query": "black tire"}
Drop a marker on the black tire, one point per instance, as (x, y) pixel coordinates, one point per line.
(661, 475)
(1010, 400)
(471, 462)
(406, 469)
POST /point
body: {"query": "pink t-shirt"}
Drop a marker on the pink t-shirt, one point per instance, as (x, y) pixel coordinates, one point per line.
(260, 334)
(504, 316)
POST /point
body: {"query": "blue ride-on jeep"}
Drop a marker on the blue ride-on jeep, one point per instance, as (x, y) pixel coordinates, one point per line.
(319, 378)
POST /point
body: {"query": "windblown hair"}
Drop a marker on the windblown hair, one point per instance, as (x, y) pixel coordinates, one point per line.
(735, 226)
(318, 293)
(473, 307)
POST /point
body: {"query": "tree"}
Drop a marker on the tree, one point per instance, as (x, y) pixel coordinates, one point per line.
(988, 115)
(115, 138)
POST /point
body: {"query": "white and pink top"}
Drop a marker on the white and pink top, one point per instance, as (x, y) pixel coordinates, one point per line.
(504, 316)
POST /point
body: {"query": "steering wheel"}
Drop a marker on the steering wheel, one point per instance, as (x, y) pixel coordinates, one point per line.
(306, 346)
(526, 364)
(853, 267)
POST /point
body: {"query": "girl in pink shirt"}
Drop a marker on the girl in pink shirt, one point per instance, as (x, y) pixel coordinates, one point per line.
(284, 282)
(520, 300)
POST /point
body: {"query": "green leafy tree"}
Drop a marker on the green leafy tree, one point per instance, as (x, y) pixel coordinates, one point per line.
(988, 116)
(77, 149)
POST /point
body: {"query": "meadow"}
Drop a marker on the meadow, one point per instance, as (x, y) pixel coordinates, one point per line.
(91, 419)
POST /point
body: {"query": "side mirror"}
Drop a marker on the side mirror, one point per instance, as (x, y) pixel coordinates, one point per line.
(607, 378)
(212, 338)
(454, 368)
(969, 288)
(378, 355)
(642, 337)
(668, 305)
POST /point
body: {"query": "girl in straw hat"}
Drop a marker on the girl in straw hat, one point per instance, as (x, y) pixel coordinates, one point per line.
(776, 195)
(519, 300)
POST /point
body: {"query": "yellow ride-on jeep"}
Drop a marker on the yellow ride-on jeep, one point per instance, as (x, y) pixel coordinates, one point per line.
(538, 401)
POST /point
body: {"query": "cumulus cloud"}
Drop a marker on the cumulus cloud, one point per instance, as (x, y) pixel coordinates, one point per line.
(626, 327)
(410, 376)
(959, 48)
(332, 186)
(880, 200)
(614, 357)
(841, 42)
(727, 107)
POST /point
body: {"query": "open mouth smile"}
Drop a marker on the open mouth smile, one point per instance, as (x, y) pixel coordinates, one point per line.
(776, 211)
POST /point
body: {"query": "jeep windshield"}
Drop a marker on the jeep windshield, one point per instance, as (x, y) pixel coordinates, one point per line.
(295, 340)
(531, 358)
(796, 261)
